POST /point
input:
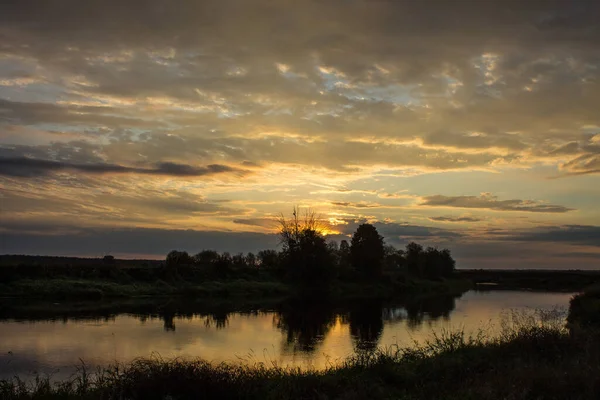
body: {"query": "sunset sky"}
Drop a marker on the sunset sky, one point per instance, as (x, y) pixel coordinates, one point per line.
(135, 127)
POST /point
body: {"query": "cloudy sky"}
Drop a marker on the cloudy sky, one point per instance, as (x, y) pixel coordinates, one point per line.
(135, 127)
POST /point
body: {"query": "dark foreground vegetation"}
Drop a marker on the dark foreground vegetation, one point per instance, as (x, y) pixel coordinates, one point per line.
(584, 310)
(307, 262)
(533, 358)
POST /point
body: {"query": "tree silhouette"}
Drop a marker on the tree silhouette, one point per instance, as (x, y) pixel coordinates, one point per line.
(206, 257)
(344, 255)
(306, 256)
(367, 251)
(176, 258)
(414, 258)
(394, 259)
(268, 260)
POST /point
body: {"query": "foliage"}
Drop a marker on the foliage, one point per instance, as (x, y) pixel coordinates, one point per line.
(414, 258)
(176, 258)
(367, 251)
(306, 256)
(584, 309)
(269, 260)
(430, 263)
(344, 255)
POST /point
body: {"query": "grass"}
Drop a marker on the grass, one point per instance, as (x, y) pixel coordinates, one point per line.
(534, 357)
(68, 288)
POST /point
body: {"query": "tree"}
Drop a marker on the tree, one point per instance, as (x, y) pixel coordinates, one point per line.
(448, 263)
(393, 259)
(432, 263)
(306, 256)
(414, 258)
(222, 265)
(334, 250)
(292, 229)
(367, 251)
(176, 258)
(206, 257)
(238, 260)
(268, 259)
(251, 260)
(344, 255)
(310, 261)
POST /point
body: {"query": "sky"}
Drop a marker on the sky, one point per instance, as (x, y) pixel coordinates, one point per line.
(136, 127)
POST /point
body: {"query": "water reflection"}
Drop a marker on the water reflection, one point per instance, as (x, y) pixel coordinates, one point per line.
(305, 322)
(366, 324)
(298, 332)
(433, 308)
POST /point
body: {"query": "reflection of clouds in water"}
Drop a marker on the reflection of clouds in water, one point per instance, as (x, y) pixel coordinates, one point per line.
(126, 338)
(295, 335)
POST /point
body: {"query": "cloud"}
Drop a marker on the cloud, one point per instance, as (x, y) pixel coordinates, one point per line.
(154, 243)
(268, 223)
(356, 205)
(490, 202)
(346, 76)
(30, 167)
(362, 100)
(455, 219)
(583, 164)
(588, 235)
(401, 233)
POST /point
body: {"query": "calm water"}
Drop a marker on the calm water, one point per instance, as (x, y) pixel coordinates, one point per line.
(294, 334)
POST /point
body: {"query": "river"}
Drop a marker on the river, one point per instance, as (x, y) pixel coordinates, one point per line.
(314, 334)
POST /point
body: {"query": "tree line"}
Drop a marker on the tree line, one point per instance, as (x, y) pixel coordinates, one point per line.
(307, 258)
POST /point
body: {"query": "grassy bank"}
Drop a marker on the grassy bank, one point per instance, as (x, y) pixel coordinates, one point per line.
(584, 310)
(73, 289)
(68, 288)
(537, 359)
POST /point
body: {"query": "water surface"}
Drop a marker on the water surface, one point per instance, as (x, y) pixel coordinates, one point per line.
(303, 334)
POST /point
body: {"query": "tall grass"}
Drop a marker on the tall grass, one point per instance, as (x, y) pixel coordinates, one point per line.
(534, 357)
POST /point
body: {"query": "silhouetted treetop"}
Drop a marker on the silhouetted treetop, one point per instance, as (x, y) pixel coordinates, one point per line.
(367, 250)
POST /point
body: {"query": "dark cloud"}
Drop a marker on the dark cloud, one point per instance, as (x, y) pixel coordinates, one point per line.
(355, 205)
(455, 219)
(30, 167)
(137, 241)
(487, 201)
(588, 235)
(399, 234)
(96, 203)
(579, 254)
(29, 113)
(262, 222)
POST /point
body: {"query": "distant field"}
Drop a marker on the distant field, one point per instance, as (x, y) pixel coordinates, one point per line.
(562, 280)
(22, 260)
